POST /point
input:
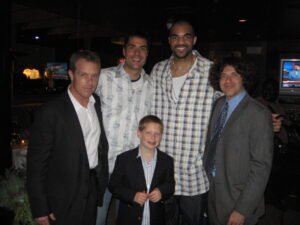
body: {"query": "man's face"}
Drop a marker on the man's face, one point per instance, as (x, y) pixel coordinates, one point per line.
(150, 136)
(135, 53)
(231, 82)
(84, 79)
(296, 67)
(182, 40)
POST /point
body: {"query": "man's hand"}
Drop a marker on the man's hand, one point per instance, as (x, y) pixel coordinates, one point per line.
(277, 122)
(236, 218)
(44, 220)
(155, 195)
(140, 198)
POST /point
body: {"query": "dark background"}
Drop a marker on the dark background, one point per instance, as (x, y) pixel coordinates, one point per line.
(271, 31)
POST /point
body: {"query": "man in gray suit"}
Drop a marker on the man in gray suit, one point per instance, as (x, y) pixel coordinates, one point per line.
(238, 154)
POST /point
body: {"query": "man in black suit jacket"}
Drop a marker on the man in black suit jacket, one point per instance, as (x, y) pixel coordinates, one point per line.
(143, 178)
(67, 155)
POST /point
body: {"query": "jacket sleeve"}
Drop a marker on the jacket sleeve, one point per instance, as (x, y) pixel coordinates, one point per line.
(261, 154)
(40, 145)
(168, 187)
(116, 183)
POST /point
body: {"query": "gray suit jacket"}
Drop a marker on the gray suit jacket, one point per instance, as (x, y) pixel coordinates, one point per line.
(243, 161)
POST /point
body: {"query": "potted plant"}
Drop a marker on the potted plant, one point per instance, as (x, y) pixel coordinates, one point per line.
(13, 196)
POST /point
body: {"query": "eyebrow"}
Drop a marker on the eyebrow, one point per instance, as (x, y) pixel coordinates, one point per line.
(129, 44)
(173, 34)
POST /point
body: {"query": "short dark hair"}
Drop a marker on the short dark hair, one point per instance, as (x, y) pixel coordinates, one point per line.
(244, 68)
(150, 119)
(83, 54)
(182, 22)
(139, 34)
(270, 89)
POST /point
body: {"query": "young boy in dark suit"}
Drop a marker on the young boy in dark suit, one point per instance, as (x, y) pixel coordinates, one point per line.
(143, 177)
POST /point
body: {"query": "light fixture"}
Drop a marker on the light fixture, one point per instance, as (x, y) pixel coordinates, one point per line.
(242, 20)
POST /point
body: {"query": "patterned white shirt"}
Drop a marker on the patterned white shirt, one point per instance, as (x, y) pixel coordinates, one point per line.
(122, 108)
(186, 121)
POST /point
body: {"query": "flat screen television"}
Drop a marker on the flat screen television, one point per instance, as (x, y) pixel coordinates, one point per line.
(58, 70)
(289, 76)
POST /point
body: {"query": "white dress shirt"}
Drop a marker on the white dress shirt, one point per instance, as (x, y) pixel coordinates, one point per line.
(90, 128)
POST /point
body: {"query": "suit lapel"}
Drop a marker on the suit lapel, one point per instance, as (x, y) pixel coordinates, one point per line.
(157, 171)
(216, 112)
(74, 126)
(140, 176)
(236, 113)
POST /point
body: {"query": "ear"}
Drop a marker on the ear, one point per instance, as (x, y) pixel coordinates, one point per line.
(71, 75)
(195, 40)
(124, 51)
(169, 40)
(138, 133)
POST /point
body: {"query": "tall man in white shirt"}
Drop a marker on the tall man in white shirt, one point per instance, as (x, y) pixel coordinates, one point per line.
(183, 100)
(125, 92)
(67, 168)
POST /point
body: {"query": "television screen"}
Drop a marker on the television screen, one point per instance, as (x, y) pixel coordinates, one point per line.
(57, 70)
(290, 76)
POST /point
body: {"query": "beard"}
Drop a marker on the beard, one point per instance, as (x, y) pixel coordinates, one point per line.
(181, 54)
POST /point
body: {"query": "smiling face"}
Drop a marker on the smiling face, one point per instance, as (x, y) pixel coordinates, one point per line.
(231, 82)
(135, 53)
(150, 136)
(84, 80)
(182, 40)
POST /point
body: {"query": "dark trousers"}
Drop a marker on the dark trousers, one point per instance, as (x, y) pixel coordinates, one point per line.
(186, 210)
(85, 210)
(90, 211)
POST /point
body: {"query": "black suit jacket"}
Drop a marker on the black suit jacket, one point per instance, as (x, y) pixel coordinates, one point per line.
(57, 162)
(128, 178)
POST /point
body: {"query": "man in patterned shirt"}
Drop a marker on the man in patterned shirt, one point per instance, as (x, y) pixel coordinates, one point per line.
(183, 100)
(125, 92)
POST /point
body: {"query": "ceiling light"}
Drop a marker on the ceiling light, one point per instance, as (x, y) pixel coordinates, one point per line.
(242, 20)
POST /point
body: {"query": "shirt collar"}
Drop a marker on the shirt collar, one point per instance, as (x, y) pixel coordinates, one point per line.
(190, 74)
(122, 73)
(234, 101)
(76, 104)
(154, 157)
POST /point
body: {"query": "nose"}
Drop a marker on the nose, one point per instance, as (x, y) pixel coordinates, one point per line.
(90, 79)
(180, 39)
(227, 78)
(137, 51)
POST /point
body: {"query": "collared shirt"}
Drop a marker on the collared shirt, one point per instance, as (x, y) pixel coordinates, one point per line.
(90, 127)
(186, 122)
(233, 103)
(123, 105)
(149, 167)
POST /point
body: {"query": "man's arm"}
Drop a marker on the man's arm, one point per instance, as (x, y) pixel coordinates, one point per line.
(168, 187)
(40, 145)
(117, 186)
(261, 153)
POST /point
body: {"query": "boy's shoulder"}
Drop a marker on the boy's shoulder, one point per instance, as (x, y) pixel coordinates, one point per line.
(164, 155)
(129, 153)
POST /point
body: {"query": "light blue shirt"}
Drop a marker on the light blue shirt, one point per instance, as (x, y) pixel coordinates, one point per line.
(233, 103)
(149, 167)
